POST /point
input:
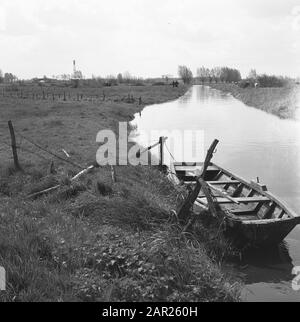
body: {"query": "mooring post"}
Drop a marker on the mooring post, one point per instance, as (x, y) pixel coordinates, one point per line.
(161, 145)
(14, 146)
(184, 209)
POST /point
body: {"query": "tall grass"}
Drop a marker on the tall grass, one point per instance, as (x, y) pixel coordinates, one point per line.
(282, 101)
(118, 246)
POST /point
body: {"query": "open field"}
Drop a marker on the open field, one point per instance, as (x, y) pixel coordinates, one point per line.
(95, 240)
(282, 101)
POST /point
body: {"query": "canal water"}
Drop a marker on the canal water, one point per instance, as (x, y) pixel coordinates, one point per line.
(252, 144)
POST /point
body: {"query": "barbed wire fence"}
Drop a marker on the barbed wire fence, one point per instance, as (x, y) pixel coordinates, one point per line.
(25, 145)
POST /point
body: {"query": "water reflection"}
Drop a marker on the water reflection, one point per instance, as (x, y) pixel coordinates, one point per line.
(268, 265)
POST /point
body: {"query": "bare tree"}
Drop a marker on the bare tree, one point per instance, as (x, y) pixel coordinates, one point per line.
(10, 78)
(120, 78)
(185, 74)
(127, 77)
(201, 73)
(252, 74)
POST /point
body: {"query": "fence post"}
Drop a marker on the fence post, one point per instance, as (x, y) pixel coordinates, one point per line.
(14, 146)
(113, 174)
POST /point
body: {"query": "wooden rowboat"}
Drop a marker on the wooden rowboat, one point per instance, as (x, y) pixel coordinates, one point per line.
(252, 213)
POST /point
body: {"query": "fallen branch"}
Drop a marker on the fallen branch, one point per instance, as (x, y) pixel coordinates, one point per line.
(80, 174)
(66, 153)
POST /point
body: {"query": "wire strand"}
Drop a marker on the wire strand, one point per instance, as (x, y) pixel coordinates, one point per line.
(169, 151)
(50, 152)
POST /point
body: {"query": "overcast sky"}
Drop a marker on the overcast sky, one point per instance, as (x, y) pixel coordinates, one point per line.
(148, 37)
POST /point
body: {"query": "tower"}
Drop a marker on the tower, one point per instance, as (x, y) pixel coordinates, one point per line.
(77, 74)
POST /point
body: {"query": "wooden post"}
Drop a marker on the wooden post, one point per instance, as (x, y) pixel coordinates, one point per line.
(113, 174)
(161, 153)
(51, 169)
(14, 146)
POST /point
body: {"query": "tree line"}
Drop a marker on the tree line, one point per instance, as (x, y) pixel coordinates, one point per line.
(265, 80)
(7, 77)
(218, 74)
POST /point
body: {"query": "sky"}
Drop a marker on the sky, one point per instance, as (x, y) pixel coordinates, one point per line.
(148, 38)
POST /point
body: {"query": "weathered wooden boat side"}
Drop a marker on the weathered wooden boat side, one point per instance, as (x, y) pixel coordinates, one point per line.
(253, 213)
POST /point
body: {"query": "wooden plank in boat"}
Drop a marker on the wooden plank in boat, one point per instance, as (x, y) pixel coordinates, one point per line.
(282, 214)
(238, 190)
(217, 183)
(249, 217)
(242, 212)
(251, 193)
(193, 168)
(269, 213)
(220, 183)
(240, 200)
(187, 164)
(267, 194)
(218, 176)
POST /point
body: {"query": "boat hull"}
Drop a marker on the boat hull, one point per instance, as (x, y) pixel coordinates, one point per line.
(260, 234)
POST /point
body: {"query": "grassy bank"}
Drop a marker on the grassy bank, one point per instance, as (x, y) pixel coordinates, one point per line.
(282, 102)
(95, 240)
